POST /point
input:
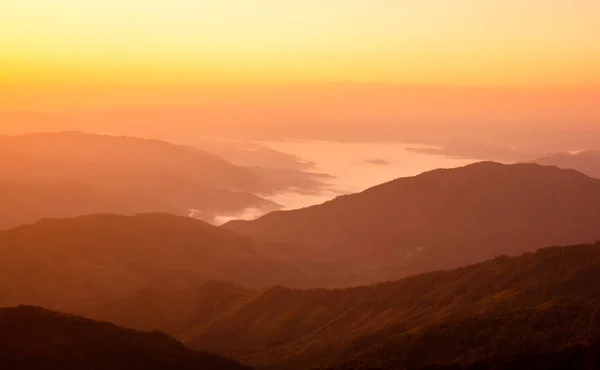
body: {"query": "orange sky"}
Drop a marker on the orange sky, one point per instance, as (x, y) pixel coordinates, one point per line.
(405, 41)
(61, 55)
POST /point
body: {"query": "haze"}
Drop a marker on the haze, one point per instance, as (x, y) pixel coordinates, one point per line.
(294, 68)
(299, 184)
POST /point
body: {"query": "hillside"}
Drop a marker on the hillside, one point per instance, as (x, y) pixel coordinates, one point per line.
(23, 204)
(61, 263)
(482, 337)
(32, 338)
(578, 357)
(442, 219)
(184, 313)
(536, 301)
(177, 178)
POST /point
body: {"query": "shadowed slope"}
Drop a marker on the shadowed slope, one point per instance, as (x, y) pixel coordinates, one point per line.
(71, 262)
(34, 338)
(443, 218)
(185, 313)
(537, 301)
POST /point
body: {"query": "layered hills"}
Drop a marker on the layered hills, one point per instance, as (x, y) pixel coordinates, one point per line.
(468, 287)
(543, 301)
(60, 263)
(442, 219)
(156, 175)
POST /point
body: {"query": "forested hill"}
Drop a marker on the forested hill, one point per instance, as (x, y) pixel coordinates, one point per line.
(578, 357)
(32, 338)
(537, 301)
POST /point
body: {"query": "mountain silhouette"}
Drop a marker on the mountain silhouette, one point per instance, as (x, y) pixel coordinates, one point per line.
(175, 178)
(33, 338)
(61, 263)
(442, 219)
(28, 203)
(542, 301)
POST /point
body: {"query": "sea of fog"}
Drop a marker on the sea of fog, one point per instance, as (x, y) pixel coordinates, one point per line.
(355, 167)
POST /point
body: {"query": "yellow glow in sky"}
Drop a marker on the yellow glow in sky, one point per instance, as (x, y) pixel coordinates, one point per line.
(459, 42)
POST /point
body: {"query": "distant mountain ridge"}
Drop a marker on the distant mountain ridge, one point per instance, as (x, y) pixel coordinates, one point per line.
(91, 149)
(587, 161)
(442, 219)
(171, 178)
(241, 290)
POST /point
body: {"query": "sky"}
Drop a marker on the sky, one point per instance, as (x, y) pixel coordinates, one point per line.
(59, 55)
(405, 41)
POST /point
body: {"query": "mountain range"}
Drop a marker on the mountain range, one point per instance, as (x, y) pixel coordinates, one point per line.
(156, 175)
(61, 263)
(442, 219)
(438, 220)
(541, 301)
(438, 271)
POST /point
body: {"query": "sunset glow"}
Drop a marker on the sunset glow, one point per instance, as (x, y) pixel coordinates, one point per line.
(465, 42)
(299, 184)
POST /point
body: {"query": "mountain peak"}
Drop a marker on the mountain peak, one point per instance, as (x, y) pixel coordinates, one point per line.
(444, 218)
